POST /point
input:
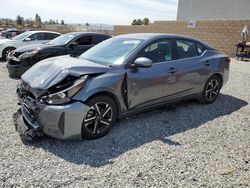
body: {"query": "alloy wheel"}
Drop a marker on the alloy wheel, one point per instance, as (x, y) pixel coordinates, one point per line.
(98, 118)
(212, 90)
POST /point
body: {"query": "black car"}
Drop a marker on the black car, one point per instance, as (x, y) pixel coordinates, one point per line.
(9, 33)
(74, 44)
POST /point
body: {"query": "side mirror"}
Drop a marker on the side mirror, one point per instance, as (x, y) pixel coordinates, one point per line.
(27, 39)
(142, 62)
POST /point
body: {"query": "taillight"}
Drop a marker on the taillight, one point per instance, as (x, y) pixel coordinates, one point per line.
(228, 59)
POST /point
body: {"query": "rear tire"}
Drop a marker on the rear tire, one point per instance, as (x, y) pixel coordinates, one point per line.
(211, 90)
(6, 51)
(101, 117)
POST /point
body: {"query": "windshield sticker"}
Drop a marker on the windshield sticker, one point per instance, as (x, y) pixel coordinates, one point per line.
(131, 42)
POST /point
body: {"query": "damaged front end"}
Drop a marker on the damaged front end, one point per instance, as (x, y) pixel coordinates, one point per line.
(25, 119)
(53, 114)
(45, 98)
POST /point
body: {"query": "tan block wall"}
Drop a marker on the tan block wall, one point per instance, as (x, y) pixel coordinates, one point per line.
(220, 34)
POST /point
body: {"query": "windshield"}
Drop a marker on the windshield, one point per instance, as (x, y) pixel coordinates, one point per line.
(112, 51)
(22, 36)
(64, 39)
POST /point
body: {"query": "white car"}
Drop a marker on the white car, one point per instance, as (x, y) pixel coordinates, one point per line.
(24, 39)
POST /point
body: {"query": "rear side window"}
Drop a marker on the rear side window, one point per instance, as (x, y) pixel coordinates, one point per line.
(200, 48)
(186, 49)
(37, 36)
(50, 36)
(85, 40)
(99, 38)
(159, 51)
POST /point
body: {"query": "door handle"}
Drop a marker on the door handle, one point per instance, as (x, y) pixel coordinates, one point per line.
(172, 70)
(207, 63)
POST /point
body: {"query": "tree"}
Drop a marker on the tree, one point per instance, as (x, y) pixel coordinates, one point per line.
(2, 22)
(62, 22)
(19, 20)
(137, 22)
(87, 24)
(57, 22)
(38, 20)
(134, 22)
(146, 21)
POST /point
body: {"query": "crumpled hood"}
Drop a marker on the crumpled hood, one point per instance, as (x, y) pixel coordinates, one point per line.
(2, 41)
(32, 47)
(51, 71)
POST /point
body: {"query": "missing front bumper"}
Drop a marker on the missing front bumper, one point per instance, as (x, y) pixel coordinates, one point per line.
(62, 122)
(26, 131)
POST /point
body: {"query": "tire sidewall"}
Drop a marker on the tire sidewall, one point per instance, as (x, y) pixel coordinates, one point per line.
(91, 102)
(203, 98)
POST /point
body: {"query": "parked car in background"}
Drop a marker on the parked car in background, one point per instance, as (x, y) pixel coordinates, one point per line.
(10, 33)
(74, 44)
(24, 39)
(70, 98)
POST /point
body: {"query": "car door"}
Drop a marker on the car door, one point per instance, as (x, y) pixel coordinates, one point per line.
(148, 86)
(190, 68)
(80, 45)
(36, 38)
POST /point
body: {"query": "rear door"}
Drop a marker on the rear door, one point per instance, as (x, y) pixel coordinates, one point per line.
(190, 67)
(37, 38)
(148, 86)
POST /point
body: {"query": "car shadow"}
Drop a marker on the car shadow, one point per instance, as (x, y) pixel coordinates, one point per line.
(135, 131)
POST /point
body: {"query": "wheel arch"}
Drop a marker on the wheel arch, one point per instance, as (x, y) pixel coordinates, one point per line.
(109, 94)
(5, 48)
(219, 75)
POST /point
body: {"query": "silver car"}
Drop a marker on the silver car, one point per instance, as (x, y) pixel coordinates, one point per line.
(71, 98)
(24, 39)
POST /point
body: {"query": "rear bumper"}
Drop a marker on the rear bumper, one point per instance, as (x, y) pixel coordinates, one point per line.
(62, 122)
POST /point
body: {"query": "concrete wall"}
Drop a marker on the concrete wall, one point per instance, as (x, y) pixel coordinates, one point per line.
(213, 9)
(220, 34)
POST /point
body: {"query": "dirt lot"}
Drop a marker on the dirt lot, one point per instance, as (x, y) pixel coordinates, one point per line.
(191, 146)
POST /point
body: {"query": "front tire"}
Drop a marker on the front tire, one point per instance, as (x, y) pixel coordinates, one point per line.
(101, 117)
(211, 90)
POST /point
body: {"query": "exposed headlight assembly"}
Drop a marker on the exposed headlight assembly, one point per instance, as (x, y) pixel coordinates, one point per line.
(27, 55)
(65, 95)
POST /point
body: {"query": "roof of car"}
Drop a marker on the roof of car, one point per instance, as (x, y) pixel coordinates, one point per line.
(41, 31)
(90, 33)
(147, 36)
(154, 36)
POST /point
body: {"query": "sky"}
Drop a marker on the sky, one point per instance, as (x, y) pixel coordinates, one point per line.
(114, 12)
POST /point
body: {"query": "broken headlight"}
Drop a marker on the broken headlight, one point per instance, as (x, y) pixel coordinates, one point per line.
(65, 95)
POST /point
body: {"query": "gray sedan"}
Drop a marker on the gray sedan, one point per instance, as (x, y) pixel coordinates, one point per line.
(71, 98)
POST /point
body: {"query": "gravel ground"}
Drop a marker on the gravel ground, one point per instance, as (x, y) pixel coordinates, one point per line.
(191, 146)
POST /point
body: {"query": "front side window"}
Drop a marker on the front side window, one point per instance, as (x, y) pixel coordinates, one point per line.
(112, 51)
(186, 49)
(158, 51)
(37, 36)
(85, 40)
